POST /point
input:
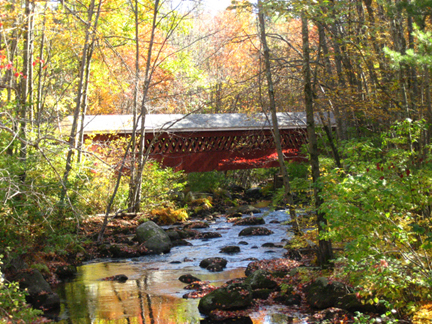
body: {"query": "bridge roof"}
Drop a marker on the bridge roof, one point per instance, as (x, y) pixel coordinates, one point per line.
(189, 123)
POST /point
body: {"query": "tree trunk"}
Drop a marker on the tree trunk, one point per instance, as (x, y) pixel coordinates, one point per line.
(288, 198)
(40, 70)
(81, 86)
(133, 170)
(147, 79)
(325, 253)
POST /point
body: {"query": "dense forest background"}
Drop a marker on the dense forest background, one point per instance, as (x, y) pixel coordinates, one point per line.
(367, 62)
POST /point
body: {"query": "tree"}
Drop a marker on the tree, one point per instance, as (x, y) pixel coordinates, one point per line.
(325, 252)
(288, 198)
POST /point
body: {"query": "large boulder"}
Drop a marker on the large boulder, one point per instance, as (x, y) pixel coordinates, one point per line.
(232, 297)
(40, 294)
(261, 279)
(153, 237)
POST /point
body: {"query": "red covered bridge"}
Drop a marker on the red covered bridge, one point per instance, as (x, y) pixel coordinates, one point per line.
(206, 142)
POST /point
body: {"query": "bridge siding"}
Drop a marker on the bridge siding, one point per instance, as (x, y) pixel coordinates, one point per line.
(203, 151)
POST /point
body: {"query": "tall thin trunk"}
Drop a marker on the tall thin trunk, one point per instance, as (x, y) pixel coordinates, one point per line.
(143, 113)
(84, 103)
(288, 198)
(132, 181)
(323, 46)
(81, 86)
(428, 104)
(25, 87)
(40, 70)
(325, 252)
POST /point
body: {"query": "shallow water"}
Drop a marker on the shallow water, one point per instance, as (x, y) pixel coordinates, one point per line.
(153, 293)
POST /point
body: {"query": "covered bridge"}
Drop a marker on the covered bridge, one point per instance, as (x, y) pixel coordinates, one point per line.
(206, 142)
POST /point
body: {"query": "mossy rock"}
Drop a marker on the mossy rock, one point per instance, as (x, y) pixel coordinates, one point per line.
(261, 279)
(153, 237)
(232, 297)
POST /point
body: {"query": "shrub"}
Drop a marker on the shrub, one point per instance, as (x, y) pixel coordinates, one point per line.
(13, 305)
(380, 212)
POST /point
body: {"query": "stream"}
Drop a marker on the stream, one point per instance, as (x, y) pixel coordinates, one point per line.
(153, 293)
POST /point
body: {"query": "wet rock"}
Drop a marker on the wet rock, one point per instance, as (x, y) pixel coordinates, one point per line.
(243, 243)
(250, 259)
(196, 225)
(230, 249)
(188, 278)
(222, 229)
(213, 264)
(322, 294)
(250, 231)
(254, 247)
(153, 237)
(250, 221)
(175, 262)
(40, 294)
(268, 245)
(209, 235)
(231, 297)
(119, 278)
(180, 242)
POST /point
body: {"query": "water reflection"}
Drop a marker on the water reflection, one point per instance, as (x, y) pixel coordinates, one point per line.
(149, 296)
